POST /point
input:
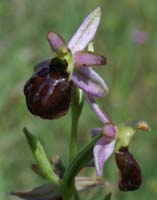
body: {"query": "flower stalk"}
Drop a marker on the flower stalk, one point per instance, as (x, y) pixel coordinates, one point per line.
(76, 108)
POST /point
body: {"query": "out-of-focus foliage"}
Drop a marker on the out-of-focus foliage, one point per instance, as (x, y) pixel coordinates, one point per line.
(130, 74)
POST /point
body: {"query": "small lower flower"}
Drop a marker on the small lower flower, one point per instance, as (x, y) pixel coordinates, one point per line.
(117, 138)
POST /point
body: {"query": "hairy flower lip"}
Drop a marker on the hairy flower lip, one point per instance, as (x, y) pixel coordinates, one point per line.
(129, 170)
(48, 93)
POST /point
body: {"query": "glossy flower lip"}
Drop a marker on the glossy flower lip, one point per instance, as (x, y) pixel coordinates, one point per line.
(48, 92)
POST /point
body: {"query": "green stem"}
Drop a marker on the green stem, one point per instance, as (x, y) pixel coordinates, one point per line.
(76, 108)
(67, 192)
(73, 138)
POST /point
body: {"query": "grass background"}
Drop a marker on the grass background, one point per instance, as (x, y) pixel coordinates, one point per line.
(130, 74)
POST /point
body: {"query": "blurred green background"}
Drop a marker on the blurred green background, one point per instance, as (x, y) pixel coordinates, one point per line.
(131, 74)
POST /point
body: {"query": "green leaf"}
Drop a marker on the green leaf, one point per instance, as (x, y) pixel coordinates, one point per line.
(83, 157)
(41, 158)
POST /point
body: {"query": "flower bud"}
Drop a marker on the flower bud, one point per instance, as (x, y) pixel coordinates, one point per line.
(130, 172)
(48, 91)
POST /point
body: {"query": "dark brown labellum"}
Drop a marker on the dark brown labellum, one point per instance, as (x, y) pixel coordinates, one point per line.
(48, 91)
(130, 172)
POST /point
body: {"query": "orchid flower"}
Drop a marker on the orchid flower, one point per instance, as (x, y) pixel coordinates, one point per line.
(48, 91)
(117, 138)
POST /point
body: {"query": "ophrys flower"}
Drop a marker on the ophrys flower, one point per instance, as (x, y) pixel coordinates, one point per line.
(48, 91)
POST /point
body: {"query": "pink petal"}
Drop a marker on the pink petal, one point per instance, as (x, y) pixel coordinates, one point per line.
(85, 32)
(103, 116)
(56, 41)
(102, 151)
(110, 130)
(89, 81)
(86, 58)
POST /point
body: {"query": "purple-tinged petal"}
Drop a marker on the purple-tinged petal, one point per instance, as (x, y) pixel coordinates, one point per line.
(102, 151)
(43, 64)
(56, 42)
(89, 81)
(86, 58)
(86, 31)
(109, 130)
(103, 116)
